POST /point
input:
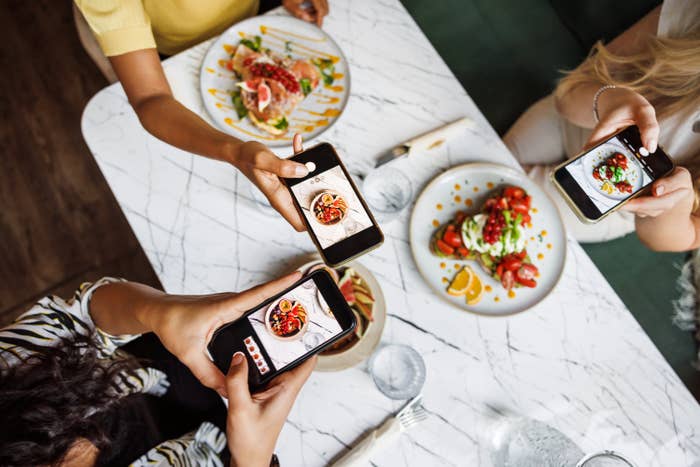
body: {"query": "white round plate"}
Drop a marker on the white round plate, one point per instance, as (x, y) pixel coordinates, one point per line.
(315, 114)
(365, 346)
(466, 187)
(602, 152)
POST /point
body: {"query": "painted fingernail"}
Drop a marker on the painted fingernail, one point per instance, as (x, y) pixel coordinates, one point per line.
(300, 170)
(660, 190)
(237, 358)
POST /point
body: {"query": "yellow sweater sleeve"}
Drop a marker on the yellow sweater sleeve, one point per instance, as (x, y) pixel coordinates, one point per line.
(120, 26)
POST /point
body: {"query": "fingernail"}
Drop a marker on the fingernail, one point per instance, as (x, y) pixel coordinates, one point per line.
(221, 391)
(300, 170)
(660, 190)
(237, 358)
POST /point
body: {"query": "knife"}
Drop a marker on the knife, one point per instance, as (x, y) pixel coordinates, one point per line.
(429, 140)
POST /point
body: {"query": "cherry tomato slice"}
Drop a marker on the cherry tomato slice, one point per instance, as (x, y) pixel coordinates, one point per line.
(526, 282)
(444, 247)
(519, 206)
(530, 268)
(507, 280)
(499, 270)
(463, 252)
(512, 264)
(514, 192)
(452, 238)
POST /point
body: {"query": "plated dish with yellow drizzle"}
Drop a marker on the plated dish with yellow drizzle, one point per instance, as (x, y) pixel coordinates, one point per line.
(487, 239)
(269, 77)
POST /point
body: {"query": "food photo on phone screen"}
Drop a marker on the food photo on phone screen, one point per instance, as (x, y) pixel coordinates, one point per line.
(331, 207)
(610, 173)
(291, 326)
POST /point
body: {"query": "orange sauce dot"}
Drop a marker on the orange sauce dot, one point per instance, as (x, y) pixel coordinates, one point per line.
(549, 246)
(476, 188)
(511, 294)
(445, 280)
(496, 298)
(488, 288)
(438, 207)
(458, 186)
(543, 233)
(468, 202)
(458, 199)
(534, 210)
(540, 256)
(537, 274)
(489, 185)
(436, 223)
(529, 225)
(442, 265)
(532, 239)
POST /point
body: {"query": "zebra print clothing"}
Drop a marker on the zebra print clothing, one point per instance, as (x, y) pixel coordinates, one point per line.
(53, 320)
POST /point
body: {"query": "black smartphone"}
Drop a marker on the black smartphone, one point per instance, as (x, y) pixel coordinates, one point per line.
(337, 218)
(602, 179)
(285, 330)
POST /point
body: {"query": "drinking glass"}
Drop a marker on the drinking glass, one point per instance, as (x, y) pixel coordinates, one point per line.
(525, 442)
(398, 371)
(387, 191)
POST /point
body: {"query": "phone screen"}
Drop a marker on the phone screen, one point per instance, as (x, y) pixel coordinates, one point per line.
(335, 213)
(286, 329)
(611, 172)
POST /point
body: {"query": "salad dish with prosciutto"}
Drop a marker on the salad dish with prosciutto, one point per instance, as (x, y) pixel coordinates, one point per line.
(272, 85)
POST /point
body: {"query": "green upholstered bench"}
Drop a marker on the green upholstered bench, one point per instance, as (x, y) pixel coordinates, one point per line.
(521, 46)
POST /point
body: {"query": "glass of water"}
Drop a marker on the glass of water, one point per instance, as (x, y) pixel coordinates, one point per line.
(525, 442)
(387, 191)
(398, 371)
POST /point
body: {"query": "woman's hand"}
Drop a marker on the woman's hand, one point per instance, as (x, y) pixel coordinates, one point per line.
(312, 11)
(264, 169)
(255, 420)
(185, 324)
(619, 108)
(666, 193)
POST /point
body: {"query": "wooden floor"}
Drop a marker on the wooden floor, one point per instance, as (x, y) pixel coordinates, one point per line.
(59, 222)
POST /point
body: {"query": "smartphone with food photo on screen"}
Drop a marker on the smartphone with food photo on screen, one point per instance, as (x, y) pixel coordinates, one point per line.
(603, 178)
(336, 217)
(285, 330)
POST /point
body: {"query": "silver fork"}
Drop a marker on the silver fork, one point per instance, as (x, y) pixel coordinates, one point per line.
(411, 414)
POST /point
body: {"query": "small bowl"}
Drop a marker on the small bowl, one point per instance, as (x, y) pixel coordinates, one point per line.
(317, 198)
(358, 352)
(296, 336)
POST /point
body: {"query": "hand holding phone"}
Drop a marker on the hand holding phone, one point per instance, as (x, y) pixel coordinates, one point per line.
(336, 217)
(605, 177)
(285, 330)
(254, 422)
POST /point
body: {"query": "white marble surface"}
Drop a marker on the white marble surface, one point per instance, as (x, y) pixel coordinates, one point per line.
(578, 360)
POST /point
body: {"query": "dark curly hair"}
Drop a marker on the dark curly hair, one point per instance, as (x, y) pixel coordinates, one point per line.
(56, 396)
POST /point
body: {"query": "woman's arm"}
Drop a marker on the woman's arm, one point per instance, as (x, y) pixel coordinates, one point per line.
(141, 74)
(665, 220)
(184, 324)
(576, 104)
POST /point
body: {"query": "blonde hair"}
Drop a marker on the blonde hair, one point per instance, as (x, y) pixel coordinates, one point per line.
(666, 72)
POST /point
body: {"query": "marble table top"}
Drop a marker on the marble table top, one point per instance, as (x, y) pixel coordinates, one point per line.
(578, 361)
